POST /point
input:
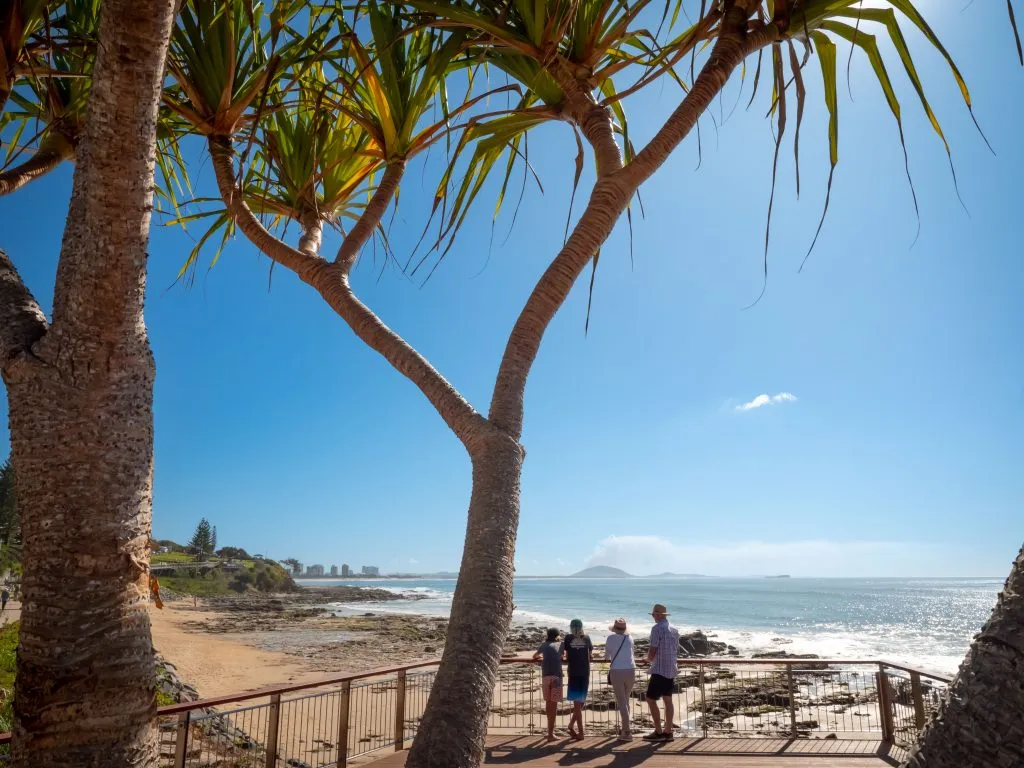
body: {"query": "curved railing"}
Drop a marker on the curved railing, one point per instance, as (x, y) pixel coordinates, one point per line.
(327, 722)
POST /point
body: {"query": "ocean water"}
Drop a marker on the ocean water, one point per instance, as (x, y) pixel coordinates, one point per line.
(924, 622)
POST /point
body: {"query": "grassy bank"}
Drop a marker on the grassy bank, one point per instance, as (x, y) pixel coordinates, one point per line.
(8, 657)
(224, 578)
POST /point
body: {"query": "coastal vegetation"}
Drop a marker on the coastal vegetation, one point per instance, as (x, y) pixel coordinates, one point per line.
(10, 525)
(8, 665)
(311, 116)
(205, 573)
(224, 578)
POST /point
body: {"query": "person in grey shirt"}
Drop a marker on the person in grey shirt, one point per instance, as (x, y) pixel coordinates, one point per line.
(550, 657)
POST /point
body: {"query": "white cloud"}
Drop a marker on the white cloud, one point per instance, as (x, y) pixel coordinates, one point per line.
(644, 555)
(413, 561)
(762, 400)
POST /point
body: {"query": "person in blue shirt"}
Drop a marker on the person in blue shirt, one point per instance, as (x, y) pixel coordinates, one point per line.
(578, 652)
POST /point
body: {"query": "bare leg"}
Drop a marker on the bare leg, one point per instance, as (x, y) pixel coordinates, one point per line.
(552, 710)
(576, 719)
(655, 714)
(670, 712)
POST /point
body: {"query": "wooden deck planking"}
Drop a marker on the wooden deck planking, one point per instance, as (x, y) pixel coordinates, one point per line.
(602, 752)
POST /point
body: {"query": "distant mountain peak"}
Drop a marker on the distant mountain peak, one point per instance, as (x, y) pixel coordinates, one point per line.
(601, 572)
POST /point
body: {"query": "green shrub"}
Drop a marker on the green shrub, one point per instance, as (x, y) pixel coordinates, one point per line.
(8, 664)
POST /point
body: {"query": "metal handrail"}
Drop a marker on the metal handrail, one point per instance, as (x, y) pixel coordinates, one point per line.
(218, 701)
(901, 705)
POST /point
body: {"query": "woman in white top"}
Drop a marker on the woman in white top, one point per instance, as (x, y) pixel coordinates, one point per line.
(618, 649)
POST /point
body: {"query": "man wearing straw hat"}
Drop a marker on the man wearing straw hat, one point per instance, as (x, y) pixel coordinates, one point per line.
(662, 683)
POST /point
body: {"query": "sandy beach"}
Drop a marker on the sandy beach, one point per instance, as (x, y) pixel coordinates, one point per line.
(217, 665)
(227, 645)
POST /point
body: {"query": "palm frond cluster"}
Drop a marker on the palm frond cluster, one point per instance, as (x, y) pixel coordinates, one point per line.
(318, 100)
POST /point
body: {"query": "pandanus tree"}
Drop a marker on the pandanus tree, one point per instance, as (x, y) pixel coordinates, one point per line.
(43, 109)
(323, 138)
(79, 384)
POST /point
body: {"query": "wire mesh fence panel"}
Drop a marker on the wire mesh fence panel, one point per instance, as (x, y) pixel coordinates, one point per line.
(222, 739)
(307, 732)
(417, 691)
(371, 716)
(813, 701)
(913, 698)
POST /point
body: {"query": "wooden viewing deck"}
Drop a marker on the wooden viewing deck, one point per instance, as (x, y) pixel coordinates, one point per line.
(743, 713)
(712, 752)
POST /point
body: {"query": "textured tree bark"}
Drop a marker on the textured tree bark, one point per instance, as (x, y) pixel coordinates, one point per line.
(981, 720)
(454, 724)
(81, 423)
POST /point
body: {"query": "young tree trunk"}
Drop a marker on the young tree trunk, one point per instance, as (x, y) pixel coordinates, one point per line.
(80, 395)
(981, 720)
(452, 731)
(455, 721)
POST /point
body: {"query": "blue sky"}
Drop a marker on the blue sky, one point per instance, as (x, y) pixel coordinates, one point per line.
(896, 450)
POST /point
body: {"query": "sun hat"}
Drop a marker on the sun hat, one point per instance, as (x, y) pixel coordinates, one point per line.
(659, 608)
(618, 626)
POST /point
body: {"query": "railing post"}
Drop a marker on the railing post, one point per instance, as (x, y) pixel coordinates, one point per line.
(346, 692)
(915, 691)
(272, 726)
(400, 713)
(181, 739)
(703, 700)
(884, 704)
(792, 700)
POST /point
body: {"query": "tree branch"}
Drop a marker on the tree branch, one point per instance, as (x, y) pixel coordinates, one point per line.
(53, 151)
(372, 214)
(608, 200)
(331, 280)
(222, 156)
(22, 322)
(733, 45)
(593, 120)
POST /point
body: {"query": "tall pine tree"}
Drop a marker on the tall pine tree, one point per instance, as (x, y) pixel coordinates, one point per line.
(202, 542)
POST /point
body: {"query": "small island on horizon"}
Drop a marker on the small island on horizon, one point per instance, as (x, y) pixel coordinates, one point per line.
(601, 572)
(611, 572)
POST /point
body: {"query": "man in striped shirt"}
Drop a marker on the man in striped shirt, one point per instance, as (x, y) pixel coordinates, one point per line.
(662, 657)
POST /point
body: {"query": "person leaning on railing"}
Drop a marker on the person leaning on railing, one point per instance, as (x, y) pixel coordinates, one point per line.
(662, 657)
(618, 649)
(550, 657)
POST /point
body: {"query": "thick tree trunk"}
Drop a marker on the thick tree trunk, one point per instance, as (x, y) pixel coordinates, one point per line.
(82, 435)
(455, 722)
(981, 720)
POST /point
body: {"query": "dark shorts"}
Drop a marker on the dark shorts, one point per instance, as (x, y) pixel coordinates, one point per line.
(578, 687)
(659, 686)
